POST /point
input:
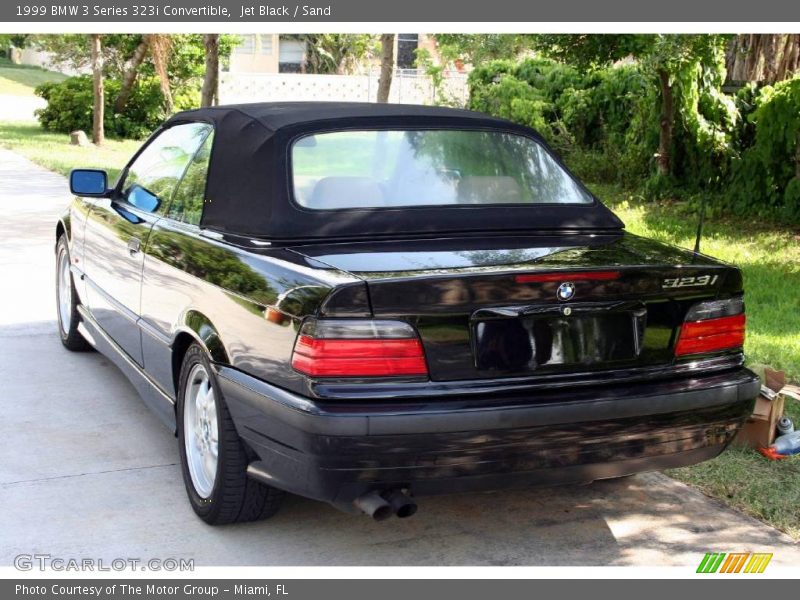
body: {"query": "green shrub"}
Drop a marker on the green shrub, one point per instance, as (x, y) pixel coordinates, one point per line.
(594, 120)
(766, 180)
(705, 125)
(740, 152)
(592, 165)
(512, 99)
(70, 105)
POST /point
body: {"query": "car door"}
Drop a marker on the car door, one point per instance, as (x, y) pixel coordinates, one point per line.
(118, 228)
(177, 259)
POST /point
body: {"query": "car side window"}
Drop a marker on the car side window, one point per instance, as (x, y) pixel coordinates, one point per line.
(187, 203)
(153, 177)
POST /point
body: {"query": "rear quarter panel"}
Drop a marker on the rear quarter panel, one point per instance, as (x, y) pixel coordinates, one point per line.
(245, 305)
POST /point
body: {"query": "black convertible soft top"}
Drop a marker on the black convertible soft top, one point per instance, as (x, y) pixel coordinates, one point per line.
(249, 183)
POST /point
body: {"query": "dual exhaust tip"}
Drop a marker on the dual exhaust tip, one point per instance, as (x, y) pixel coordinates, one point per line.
(382, 505)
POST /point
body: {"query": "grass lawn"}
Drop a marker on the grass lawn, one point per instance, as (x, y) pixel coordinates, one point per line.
(768, 255)
(20, 80)
(53, 150)
(768, 490)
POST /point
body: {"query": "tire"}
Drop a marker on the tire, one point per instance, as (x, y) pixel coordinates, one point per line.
(219, 490)
(67, 301)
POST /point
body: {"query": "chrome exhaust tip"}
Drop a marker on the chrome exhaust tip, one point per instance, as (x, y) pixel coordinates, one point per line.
(374, 505)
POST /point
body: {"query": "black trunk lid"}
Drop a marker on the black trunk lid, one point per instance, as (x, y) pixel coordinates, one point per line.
(534, 305)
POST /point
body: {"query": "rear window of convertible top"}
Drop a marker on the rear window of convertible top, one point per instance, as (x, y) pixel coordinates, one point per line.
(397, 168)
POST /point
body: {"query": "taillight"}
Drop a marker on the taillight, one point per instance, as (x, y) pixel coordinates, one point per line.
(358, 348)
(712, 327)
(567, 276)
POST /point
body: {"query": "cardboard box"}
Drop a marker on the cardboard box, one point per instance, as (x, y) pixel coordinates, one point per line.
(759, 429)
(793, 391)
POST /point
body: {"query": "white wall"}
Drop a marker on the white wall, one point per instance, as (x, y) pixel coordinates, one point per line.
(38, 58)
(276, 87)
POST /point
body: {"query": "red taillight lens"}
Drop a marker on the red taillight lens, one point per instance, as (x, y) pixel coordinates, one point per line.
(712, 334)
(567, 276)
(358, 348)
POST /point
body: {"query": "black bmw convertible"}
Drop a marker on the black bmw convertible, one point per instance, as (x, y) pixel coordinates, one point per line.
(366, 304)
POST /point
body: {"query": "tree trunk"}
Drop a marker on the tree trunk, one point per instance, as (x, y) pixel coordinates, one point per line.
(98, 131)
(129, 77)
(763, 57)
(753, 66)
(160, 48)
(790, 59)
(769, 52)
(210, 92)
(387, 67)
(664, 156)
(735, 55)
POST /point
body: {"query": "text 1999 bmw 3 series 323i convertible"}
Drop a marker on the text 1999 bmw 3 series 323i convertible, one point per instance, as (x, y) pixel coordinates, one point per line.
(364, 304)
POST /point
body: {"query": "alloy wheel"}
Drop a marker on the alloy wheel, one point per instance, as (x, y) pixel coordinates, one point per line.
(200, 430)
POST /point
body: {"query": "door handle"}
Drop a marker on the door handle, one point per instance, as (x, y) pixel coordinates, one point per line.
(134, 245)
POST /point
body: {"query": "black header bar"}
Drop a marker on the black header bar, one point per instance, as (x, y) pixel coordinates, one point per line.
(404, 11)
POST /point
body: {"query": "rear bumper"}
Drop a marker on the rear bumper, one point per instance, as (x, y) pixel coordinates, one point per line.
(336, 451)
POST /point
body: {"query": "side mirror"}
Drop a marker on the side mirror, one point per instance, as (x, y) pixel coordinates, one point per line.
(88, 182)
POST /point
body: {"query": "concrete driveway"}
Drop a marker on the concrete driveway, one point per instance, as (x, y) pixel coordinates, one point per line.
(20, 108)
(87, 471)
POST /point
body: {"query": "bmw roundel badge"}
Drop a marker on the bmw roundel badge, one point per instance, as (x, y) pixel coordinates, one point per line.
(566, 291)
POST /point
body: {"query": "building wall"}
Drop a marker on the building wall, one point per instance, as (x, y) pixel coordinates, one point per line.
(407, 87)
(268, 53)
(258, 54)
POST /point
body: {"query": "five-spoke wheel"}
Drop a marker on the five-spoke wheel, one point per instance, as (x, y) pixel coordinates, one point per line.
(67, 300)
(214, 458)
(200, 424)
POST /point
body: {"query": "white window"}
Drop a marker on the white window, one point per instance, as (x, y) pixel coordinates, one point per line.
(291, 51)
(265, 45)
(247, 46)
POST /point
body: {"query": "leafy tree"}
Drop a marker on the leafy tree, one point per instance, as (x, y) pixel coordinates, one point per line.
(476, 49)
(177, 59)
(72, 51)
(767, 178)
(130, 73)
(672, 60)
(187, 62)
(18, 40)
(339, 53)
